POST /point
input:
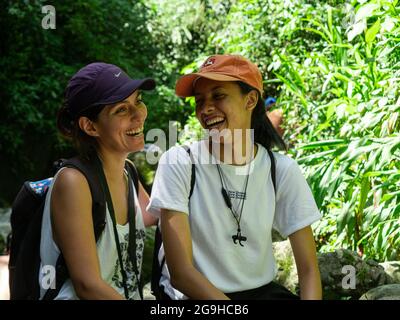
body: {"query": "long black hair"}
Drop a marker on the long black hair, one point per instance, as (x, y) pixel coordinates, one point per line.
(264, 132)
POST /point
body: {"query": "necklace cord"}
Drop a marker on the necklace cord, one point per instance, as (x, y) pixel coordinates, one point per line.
(228, 202)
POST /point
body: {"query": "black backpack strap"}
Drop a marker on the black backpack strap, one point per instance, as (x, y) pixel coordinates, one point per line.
(193, 176)
(130, 167)
(273, 168)
(156, 268)
(98, 214)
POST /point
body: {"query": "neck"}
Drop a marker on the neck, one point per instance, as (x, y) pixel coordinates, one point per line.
(113, 165)
(234, 153)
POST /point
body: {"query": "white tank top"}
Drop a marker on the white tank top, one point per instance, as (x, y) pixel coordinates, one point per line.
(106, 251)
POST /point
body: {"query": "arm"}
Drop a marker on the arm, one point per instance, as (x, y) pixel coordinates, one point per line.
(71, 214)
(178, 252)
(304, 252)
(148, 218)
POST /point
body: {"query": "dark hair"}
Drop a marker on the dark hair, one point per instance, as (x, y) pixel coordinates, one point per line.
(69, 128)
(264, 132)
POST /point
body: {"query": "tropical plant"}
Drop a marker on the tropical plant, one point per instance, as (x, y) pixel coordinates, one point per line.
(335, 68)
(348, 95)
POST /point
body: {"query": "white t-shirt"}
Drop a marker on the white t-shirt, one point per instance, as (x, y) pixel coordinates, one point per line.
(231, 267)
(106, 251)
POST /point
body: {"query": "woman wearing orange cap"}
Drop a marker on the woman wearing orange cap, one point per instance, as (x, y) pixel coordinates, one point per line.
(217, 232)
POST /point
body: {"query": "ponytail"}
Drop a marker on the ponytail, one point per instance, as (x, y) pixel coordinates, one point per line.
(69, 128)
(264, 132)
(65, 121)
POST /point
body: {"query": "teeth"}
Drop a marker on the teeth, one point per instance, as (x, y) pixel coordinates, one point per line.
(134, 132)
(214, 120)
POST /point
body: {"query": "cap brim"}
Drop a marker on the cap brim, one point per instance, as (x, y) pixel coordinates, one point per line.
(185, 85)
(127, 89)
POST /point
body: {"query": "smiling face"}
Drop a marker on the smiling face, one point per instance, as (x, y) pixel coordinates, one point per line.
(119, 126)
(221, 106)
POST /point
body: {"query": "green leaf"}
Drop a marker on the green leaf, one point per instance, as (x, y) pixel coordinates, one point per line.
(344, 218)
(315, 157)
(365, 187)
(323, 143)
(381, 173)
(365, 11)
(371, 33)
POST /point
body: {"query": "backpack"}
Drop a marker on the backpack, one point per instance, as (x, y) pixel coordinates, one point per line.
(157, 266)
(26, 223)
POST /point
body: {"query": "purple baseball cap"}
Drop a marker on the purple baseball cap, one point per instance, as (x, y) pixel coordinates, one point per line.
(100, 84)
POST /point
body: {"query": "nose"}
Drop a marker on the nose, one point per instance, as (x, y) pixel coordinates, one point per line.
(208, 106)
(139, 114)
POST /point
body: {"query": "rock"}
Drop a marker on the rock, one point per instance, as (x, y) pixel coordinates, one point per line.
(386, 292)
(287, 272)
(346, 275)
(392, 268)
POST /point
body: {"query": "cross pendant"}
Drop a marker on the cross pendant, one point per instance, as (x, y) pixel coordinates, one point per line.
(239, 238)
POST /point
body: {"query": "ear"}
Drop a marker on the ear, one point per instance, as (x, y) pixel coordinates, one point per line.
(88, 126)
(252, 99)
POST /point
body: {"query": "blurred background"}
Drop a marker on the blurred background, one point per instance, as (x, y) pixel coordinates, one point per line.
(332, 66)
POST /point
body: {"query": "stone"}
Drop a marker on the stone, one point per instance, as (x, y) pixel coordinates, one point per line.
(345, 275)
(386, 292)
(392, 268)
(286, 266)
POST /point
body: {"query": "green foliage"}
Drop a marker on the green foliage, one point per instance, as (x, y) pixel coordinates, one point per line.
(36, 63)
(346, 93)
(335, 68)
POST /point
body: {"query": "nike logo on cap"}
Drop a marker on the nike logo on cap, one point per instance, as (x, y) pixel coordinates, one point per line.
(117, 74)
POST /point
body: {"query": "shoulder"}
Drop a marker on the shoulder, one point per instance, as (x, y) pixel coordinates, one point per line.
(176, 155)
(71, 199)
(287, 172)
(289, 176)
(283, 162)
(71, 181)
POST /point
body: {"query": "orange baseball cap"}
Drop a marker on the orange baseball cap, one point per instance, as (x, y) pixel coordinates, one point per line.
(225, 67)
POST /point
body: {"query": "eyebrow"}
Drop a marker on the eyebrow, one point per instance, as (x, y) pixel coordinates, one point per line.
(127, 101)
(215, 88)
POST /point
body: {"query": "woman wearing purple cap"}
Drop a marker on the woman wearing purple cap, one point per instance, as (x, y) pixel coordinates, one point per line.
(103, 115)
(221, 197)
